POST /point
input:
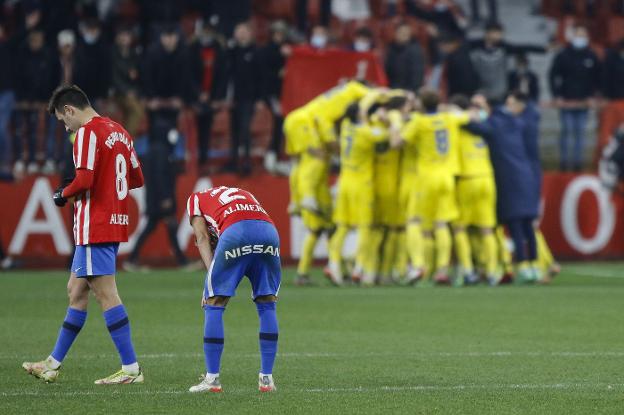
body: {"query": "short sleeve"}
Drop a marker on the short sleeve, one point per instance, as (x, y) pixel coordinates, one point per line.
(192, 206)
(409, 130)
(133, 159)
(85, 147)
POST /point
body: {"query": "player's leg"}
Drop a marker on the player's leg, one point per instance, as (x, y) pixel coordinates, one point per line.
(100, 275)
(531, 244)
(131, 264)
(504, 253)
(267, 338)
(523, 267)
(416, 250)
(172, 232)
(389, 255)
(464, 254)
(443, 245)
(104, 288)
(545, 257)
(489, 248)
(78, 293)
(372, 259)
(265, 274)
(399, 268)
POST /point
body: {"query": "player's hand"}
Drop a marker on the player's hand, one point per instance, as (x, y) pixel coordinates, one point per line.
(59, 200)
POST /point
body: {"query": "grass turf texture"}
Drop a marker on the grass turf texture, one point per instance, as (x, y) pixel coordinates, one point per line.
(518, 350)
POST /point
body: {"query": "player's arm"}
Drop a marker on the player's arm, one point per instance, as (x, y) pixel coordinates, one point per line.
(135, 179)
(85, 147)
(202, 239)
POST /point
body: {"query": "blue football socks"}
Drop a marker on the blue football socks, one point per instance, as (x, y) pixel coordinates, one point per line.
(213, 337)
(119, 327)
(268, 336)
(74, 320)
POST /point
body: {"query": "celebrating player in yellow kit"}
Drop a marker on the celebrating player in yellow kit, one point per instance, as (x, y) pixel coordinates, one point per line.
(309, 187)
(435, 134)
(476, 199)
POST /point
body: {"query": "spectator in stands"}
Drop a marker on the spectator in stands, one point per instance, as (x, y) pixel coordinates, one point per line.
(244, 78)
(125, 79)
(405, 60)
(523, 79)
(475, 11)
(319, 37)
(37, 74)
(490, 56)
(92, 62)
(613, 79)
(574, 81)
(7, 95)
(66, 42)
(207, 51)
(229, 13)
(273, 57)
(362, 40)
(444, 17)
(160, 202)
(461, 78)
(302, 14)
(167, 82)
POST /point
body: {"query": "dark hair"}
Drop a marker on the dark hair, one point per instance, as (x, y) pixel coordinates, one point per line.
(460, 100)
(519, 96)
(430, 100)
(396, 102)
(67, 95)
(493, 25)
(364, 31)
(352, 112)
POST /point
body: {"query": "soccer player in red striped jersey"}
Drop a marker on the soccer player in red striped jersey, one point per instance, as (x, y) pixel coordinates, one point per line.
(106, 169)
(247, 244)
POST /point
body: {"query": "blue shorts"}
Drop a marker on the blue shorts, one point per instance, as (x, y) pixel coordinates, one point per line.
(95, 259)
(248, 248)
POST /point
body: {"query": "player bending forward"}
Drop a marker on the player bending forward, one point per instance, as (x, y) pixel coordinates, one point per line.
(106, 168)
(247, 245)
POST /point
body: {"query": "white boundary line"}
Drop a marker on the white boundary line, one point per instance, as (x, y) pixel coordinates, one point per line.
(570, 354)
(359, 389)
(595, 273)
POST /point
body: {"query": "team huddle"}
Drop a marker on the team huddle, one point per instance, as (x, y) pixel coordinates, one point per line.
(234, 234)
(417, 182)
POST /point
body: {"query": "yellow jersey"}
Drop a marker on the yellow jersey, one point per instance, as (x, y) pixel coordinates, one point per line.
(330, 106)
(474, 155)
(435, 137)
(357, 150)
(387, 159)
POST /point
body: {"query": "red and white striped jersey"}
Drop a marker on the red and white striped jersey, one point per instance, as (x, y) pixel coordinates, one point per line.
(224, 206)
(101, 213)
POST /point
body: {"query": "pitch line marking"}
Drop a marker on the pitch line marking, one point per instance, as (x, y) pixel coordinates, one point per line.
(570, 354)
(359, 389)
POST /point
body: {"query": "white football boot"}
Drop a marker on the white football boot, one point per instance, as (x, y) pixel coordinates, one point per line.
(208, 384)
(265, 383)
(121, 378)
(42, 370)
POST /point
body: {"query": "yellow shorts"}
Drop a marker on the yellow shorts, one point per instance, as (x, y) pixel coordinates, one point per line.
(409, 198)
(437, 203)
(313, 189)
(354, 204)
(476, 198)
(299, 131)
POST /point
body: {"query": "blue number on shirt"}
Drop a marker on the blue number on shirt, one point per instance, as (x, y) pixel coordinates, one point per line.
(442, 144)
(349, 147)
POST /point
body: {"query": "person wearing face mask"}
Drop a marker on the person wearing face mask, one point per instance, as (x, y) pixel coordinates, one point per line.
(92, 68)
(613, 77)
(490, 56)
(505, 130)
(574, 81)
(319, 38)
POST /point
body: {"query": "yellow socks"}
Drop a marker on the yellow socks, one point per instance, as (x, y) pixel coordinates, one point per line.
(443, 244)
(307, 253)
(415, 244)
(336, 242)
(463, 251)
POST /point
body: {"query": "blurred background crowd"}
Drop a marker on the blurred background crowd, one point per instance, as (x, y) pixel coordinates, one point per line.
(167, 67)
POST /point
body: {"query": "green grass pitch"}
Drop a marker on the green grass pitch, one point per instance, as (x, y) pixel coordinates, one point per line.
(555, 349)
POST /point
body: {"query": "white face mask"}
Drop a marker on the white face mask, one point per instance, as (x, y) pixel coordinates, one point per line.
(318, 41)
(580, 42)
(90, 38)
(361, 46)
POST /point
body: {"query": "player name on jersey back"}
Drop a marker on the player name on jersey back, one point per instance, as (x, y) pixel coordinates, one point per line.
(223, 206)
